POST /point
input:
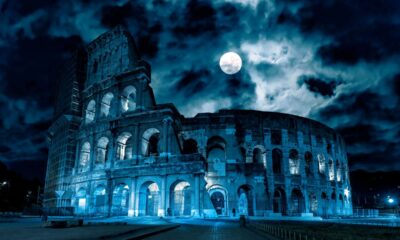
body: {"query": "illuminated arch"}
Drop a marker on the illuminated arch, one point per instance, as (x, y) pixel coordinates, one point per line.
(124, 146)
(85, 155)
(294, 162)
(106, 104)
(128, 99)
(90, 111)
(150, 140)
(102, 150)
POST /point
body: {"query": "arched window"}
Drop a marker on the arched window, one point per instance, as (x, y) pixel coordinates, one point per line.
(331, 168)
(102, 145)
(150, 140)
(216, 157)
(90, 111)
(277, 161)
(85, 155)
(258, 155)
(120, 199)
(124, 146)
(128, 99)
(321, 164)
(294, 162)
(106, 104)
(308, 161)
(190, 146)
(216, 149)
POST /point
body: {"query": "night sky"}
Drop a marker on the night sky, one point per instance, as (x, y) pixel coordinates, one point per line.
(337, 62)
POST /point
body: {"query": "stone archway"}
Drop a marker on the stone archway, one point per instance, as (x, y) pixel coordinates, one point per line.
(149, 199)
(297, 202)
(279, 201)
(181, 200)
(120, 200)
(245, 200)
(219, 200)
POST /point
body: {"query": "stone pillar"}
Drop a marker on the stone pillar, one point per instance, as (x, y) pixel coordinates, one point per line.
(93, 153)
(139, 94)
(77, 157)
(132, 197)
(196, 207)
(137, 147)
(166, 130)
(162, 207)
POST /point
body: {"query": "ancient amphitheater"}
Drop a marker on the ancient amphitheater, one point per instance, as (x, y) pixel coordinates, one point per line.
(114, 151)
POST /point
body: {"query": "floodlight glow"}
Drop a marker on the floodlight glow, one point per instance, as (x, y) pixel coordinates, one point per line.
(390, 200)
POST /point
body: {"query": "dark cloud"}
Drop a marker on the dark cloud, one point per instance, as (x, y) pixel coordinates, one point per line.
(361, 30)
(193, 81)
(4, 149)
(282, 45)
(112, 16)
(319, 86)
(35, 80)
(199, 18)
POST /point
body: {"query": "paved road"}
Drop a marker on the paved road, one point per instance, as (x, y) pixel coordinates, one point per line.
(208, 230)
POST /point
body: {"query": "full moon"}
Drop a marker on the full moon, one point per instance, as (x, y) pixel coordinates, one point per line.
(230, 63)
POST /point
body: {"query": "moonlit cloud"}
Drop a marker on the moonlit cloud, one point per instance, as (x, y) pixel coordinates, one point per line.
(328, 60)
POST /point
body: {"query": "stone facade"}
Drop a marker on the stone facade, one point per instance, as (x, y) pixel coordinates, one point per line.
(114, 151)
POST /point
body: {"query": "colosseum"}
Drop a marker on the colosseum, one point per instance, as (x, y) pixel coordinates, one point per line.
(113, 151)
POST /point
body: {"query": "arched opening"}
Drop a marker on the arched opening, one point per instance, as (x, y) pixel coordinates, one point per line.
(333, 203)
(128, 99)
(321, 163)
(297, 202)
(90, 111)
(80, 201)
(150, 140)
(331, 168)
(245, 200)
(313, 204)
(308, 162)
(277, 161)
(258, 155)
(181, 199)
(85, 155)
(124, 146)
(218, 196)
(106, 104)
(324, 204)
(120, 200)
(100, 200)
(190, 146)
(149, 196)
(102, 145)
(294, 162)
(279, 202)
(216, 156)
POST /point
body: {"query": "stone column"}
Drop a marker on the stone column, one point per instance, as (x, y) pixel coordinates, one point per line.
(132, 197)
(77, 157)
(196, 207)
(166, 127)
(93, 153)
(162, 207)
